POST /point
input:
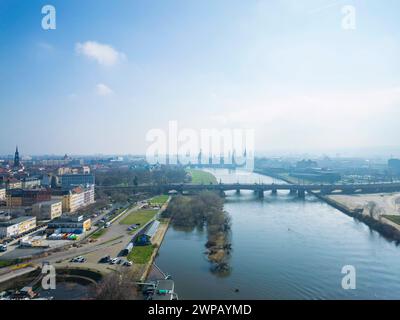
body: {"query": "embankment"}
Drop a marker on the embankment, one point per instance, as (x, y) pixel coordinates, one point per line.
(157, 241)
(387, 230)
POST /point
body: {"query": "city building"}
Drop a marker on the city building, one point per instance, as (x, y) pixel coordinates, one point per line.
(76, 198)
(316, 175)
(85, 169)
(15, 212)
(32, 242)
(2, 194)
(49, 180)
(12, 183)
(47, 210)
(306, 164)
(30, 183)
(73, 170)
(26, 197)
(394, 166)
(17, 226)
(5, 216)
(72, 180)
(73, 224)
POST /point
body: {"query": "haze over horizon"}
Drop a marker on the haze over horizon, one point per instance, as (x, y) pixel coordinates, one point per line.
(108, 74)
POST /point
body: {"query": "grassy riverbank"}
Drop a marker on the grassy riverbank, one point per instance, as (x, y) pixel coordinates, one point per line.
(140, 217)
(141, 255)
(158, 200)
(395, 219)
(202, 177)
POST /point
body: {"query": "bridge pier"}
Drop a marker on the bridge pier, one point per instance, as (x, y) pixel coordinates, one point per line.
(292, 191)
(274, 192)
(260, 193)
(301, 193)
(222, 193)
(237, 191)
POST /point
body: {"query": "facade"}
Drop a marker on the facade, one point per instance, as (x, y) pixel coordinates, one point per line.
(76, 198)
(2, 194)
(17, 226)
(72, 180)
(49, 180)
(85, 169)
(13, 183)
(73, 170)
(316, 175)
(54, 162)
(47, 210)
(30, 183)
(26, 197)
(394, 166)
(75, 224)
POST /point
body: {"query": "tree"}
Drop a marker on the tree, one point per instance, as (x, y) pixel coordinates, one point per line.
(116, 286)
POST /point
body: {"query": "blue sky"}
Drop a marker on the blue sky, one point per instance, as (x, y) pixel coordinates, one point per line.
(113, 70)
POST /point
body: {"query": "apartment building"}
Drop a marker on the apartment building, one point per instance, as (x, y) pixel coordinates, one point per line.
(47, 210)
(26, 197)
(76, 198)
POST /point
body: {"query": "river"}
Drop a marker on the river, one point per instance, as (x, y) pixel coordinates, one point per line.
(283, 248)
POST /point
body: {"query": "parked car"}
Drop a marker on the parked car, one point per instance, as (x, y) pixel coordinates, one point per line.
(105, 259)
(79, 259)
(114, 261)
(127, 263)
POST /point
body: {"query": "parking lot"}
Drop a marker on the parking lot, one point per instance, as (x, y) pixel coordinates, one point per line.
(110, 243)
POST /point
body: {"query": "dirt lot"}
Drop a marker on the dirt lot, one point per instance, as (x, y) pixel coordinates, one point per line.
(383, 204)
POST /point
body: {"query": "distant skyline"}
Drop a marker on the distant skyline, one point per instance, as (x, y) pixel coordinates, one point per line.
(111, 72)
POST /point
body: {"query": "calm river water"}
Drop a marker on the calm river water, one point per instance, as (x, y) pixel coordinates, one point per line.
(284, 248)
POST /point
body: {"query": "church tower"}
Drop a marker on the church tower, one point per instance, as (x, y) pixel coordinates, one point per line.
(16, 158)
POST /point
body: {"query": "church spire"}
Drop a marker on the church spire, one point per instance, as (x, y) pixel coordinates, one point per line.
(16, 158)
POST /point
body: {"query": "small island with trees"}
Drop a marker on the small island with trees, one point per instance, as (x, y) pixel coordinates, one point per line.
(205, 210)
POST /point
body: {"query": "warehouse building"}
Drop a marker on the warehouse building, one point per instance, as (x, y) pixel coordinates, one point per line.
(72, 224)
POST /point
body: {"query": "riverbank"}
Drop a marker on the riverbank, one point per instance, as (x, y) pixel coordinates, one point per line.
(157, 241)
(275, 175)
(201, 177)
(142, 270)
(384, 226)
(376, 210)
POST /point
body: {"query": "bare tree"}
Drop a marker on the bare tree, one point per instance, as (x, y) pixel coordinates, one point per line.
(116, 286)
(373, 209)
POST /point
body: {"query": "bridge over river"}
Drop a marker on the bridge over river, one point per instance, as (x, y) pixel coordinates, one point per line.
(259, 188)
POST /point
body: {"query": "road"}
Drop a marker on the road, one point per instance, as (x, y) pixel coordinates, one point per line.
(115, 239)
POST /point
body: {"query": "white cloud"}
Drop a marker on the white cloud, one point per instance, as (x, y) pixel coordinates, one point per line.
(104, 54)
(103, 90)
